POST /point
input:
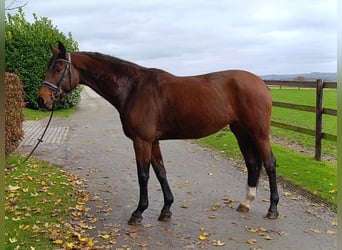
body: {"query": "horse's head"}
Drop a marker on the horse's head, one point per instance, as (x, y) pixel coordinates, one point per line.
(60, 79)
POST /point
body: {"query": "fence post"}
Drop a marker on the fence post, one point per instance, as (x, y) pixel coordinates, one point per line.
(319, 113)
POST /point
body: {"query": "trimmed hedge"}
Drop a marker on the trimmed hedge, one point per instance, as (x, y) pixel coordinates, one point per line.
(14, 112)
(27, 54)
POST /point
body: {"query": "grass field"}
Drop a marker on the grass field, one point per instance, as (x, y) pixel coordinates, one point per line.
(304, 119)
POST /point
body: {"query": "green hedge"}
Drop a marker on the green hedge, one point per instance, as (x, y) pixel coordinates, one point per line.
(27, 53)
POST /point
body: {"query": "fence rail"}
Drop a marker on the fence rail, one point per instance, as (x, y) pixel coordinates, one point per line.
(319, 85)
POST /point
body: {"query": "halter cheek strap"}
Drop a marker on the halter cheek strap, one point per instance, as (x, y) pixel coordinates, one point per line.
(57, 88)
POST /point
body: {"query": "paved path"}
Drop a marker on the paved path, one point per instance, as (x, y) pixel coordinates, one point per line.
(91, 144)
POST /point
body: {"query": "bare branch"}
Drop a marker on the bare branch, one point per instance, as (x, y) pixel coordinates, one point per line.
(15, 4)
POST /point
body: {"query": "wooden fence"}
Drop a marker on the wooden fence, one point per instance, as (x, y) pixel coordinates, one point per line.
(319, 85)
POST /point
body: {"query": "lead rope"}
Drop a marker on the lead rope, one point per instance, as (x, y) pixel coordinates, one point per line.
(41, 138)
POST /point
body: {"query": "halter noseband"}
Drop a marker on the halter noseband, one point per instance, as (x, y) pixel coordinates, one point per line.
(57, 88)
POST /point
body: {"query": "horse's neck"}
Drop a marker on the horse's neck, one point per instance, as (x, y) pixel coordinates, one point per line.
(111, 79)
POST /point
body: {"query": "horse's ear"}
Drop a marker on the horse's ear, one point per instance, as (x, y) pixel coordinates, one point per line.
(62, 49)
(53, 50)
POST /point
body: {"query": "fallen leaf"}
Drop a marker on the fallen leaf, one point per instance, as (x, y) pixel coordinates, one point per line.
(58, 241)
(333, 223)
(12, 188)
(70, 245)
(106, 236)
(267, 237)
(252, 241)
(212, 216)
(12, 240)
(202, 237)
(218, 243)
(330, 232)
(286, 194)
(218, 204)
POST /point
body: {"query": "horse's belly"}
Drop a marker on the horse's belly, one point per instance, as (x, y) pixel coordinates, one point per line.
(196, 128)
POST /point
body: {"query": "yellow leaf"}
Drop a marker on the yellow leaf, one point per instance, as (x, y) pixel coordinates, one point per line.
(30, 178)
(59, 200)
(333, 223)
(252, 241)
(93, 220)
(267, 237)
(69, 245)
(53, 232)
(218, 204)
(11, 195)
(334, 191)
(84, 239)
(212, 216)
(43, 183)
(58, 241)
(330, 232)
(76, 234)
(90, 243)
(105, 236)
(202, 237)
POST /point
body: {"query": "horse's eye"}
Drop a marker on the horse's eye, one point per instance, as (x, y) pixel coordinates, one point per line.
(58, 69)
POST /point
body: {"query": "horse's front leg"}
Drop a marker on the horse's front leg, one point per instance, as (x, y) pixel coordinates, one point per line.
(143, 159)
(159, 169)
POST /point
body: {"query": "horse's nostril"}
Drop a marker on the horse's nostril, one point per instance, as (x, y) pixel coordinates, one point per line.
(40, 102)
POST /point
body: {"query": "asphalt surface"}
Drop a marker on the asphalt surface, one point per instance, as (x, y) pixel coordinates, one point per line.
(207, 188)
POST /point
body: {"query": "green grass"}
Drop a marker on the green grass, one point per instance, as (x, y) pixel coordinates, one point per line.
(44, 207)
(31, 114)
(38, 201)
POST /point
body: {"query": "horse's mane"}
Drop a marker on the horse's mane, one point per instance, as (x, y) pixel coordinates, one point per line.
(110, 59)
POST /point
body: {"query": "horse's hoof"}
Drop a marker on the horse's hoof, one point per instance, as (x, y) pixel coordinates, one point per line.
(272, 215)
(135, 221)
(243, 208)
(165, 216)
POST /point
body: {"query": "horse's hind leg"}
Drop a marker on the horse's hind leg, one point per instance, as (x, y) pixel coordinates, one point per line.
(159, 169)
(270, 166)
(253, 163)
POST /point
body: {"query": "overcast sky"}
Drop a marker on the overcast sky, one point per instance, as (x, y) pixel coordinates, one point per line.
(200, 36)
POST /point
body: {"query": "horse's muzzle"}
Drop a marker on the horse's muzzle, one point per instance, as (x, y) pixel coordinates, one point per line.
(40, 102)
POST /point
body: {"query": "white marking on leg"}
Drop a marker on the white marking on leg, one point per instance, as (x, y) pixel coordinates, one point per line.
(250, 196)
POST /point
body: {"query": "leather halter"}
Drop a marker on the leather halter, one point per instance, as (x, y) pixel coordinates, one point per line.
(57, 88)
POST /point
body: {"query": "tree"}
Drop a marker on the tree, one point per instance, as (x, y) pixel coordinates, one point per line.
(27, 53)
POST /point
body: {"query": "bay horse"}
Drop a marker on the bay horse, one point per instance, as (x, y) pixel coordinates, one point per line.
(156, 105)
